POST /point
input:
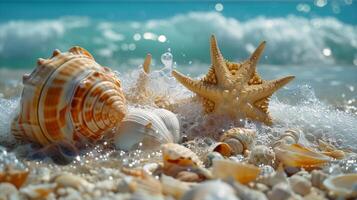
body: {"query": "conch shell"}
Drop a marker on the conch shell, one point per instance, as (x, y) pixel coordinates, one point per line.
(239, 139)
(69, 97)
(296, 155)
(147, 128)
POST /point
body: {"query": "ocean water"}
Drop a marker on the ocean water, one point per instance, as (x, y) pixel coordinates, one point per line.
(314, 40)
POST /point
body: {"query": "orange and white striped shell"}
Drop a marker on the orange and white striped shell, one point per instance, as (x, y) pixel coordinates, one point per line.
(69, 97)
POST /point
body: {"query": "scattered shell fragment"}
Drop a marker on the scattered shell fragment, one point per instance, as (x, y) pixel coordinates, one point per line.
(8, 191)
(245, 193)
(330, 150)
(243, 173)
(342, 185)
(262, 154)
(296, 155)
(40, 191)
(239, 139)
(210, 156)
(211, 190)
(274, 178)
(288, 137)
(174, 187)
(147, 129)
(13, 176)
(178, 158)
(74, 181)
(300, 185)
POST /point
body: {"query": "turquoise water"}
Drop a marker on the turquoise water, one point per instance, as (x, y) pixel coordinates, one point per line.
(314, 40)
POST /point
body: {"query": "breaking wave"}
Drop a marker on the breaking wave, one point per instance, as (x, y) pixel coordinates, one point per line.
(291, 40)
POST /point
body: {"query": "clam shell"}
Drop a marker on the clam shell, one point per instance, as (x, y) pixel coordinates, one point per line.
(240, 139)
(342, 185)
(243, 173)
(296, 155)
(69, 97)
(147, 129)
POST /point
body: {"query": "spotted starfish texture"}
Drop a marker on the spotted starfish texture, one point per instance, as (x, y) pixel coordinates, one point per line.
(234, 89)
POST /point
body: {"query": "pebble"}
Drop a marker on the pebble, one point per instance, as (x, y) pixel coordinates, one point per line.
(300, 185)
(8, 191)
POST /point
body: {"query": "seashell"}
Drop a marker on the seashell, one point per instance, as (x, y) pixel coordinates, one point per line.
(69, 97)
(13, 176)
(147, 129)
(300, 185)
(243, 173)
(174, 187)
(239, 139)
(144, 183)
(296, 155)
(221, 147)
(244, 192)
(344, 186)
(208, 190)
(40, 191)
(288, 137)
(178, 158)
(280, 191)
(330, 150)
(261, 154)
(8, 191)
(73, 181)
(187, 176)
(274, 178)
(317, 178)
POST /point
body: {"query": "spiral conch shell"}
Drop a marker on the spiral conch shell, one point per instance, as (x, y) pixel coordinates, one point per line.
(69, 97)
(239, 139)
(149, 128)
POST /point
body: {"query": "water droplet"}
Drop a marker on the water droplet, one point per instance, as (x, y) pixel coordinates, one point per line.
(167, 59)
(219, 7)
(162, 38)
(326, 52)
(320, 3)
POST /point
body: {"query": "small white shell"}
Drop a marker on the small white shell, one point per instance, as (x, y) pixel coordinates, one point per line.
(342, 185)
(73, 181)
(40, 191)
(288, 137)
(240, 139)
(211, 190)
(174, 187)
(262, 154)
(148, 128)
(275, 178)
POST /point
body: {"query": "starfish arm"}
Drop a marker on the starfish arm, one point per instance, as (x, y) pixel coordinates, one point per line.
(146, 64)
(254, 113)
(257, 92)
(222, 73)
(246, 71)
(208, 91)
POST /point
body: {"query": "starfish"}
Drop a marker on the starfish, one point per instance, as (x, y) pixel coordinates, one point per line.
(234, 89)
